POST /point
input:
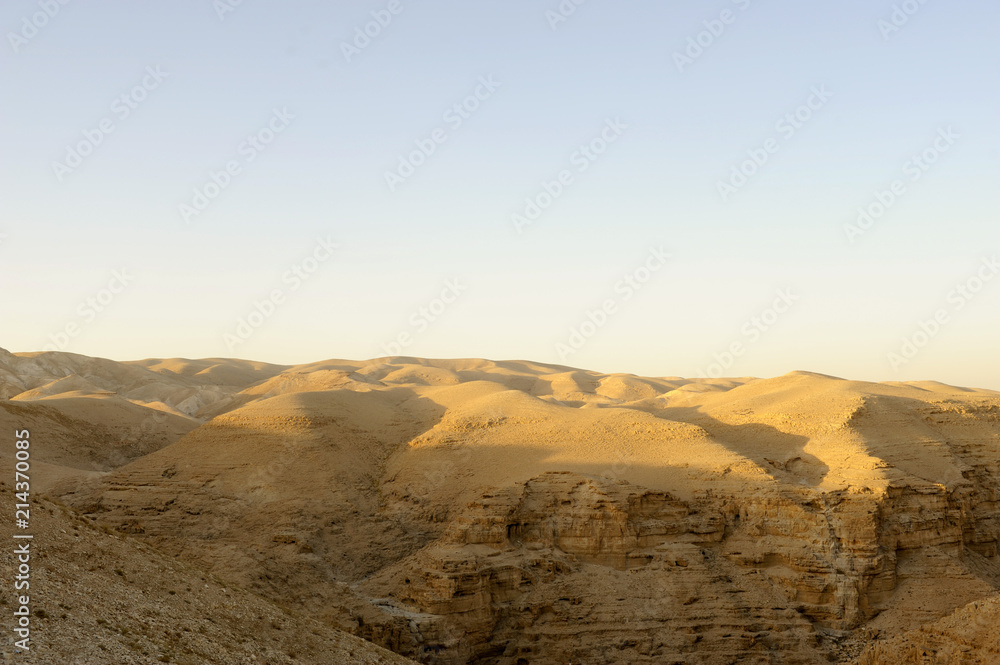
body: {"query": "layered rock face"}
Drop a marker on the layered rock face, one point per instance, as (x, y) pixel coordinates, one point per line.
(97, 598)
(527, 567)
(969, 636)
(514, 513)
(570, 569)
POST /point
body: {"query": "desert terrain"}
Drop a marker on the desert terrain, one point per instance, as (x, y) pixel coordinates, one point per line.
(479, 512)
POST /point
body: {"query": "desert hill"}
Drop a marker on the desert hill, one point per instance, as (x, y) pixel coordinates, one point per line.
(97, 597)
(511, 512)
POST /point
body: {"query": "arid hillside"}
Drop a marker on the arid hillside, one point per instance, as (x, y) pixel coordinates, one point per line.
(514, 513)
(98, 597)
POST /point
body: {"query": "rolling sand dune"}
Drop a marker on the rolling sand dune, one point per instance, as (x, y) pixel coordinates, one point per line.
(512, 513)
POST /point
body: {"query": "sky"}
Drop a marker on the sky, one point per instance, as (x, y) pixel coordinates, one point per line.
(722, 188)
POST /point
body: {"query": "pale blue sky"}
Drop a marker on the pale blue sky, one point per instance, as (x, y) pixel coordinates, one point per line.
(656, 185)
